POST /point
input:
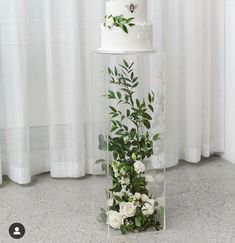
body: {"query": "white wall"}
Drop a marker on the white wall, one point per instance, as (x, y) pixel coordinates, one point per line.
(230, 82)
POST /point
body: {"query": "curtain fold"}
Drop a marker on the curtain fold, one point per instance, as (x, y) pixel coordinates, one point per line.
(45, 71)
(194, 43)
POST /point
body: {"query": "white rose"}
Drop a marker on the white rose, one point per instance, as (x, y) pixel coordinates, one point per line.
(109, 21)
(127, 209)
(151, 202)
(110, 202)
(115, 219)
(148, 200)
(144, 198)
(148, 178)
(137, 204)
(137, 196)
(147, 209)
(139, 167)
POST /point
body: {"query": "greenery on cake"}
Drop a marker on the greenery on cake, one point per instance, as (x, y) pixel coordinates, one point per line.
(118, 21)
(131, 207)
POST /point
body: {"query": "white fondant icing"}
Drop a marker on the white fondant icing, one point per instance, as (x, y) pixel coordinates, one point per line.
(122, 7)
(139, 38)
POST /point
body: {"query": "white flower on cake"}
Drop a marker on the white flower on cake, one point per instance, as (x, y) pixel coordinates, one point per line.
(147, 209)
(109, 21)
(115, 219)
(139, 167)
(127, 209)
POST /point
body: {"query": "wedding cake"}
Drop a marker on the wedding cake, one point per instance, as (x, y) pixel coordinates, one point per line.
(126, 27)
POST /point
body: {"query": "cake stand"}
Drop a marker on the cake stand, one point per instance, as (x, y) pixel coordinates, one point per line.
(149, 67)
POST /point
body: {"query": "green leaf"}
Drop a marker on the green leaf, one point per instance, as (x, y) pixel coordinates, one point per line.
(151, 108)
(111, 94)
(138, 221)
(135, 85)
(114, 128)
(126, 63)
(118, 198)
(125, 29)
(112, 108)
(110, 71)
(147, 124)
(137, 103)
(129, 20)
(149, 97)
(147, 116)
(132, 75)
(135, 79)
(133, 156)
(156, 137)
(123, 67)
(123, 229)
(115, 71)
(119, 95)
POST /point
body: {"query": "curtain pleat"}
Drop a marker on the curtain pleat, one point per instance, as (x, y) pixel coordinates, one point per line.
(45, 68)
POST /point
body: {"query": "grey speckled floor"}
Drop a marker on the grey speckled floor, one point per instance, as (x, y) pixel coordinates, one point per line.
(200, 208)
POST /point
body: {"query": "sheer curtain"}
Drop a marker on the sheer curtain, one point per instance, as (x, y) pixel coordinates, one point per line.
(45, 67)
(194, 42)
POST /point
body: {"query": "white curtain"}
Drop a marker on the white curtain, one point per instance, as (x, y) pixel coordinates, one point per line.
(45, 67)
(230, 81)
(194, 39)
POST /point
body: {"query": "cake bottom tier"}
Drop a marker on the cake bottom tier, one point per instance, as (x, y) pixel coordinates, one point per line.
(138, 38)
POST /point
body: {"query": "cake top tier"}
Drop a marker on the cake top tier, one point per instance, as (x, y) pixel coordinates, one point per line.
(128, 8)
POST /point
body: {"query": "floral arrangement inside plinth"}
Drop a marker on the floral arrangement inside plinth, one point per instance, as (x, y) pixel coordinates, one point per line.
(131, 207)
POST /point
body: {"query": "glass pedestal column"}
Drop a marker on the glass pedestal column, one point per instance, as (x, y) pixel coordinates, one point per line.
(127, 142)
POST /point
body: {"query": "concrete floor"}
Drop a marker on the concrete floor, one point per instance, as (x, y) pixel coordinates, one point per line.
(200, 208)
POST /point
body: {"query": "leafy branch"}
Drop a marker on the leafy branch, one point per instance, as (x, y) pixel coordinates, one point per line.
(128, 143)
(118, 21)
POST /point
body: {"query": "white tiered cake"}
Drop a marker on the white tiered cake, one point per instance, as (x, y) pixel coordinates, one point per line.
(126, 27)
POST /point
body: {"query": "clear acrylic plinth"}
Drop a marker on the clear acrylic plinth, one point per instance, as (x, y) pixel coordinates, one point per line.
(122, 52)
(148, 67)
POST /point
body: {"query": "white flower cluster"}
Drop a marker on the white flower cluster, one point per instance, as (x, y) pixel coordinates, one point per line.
(139, 167)
(109, 21)
(128, 209)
